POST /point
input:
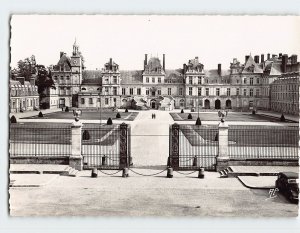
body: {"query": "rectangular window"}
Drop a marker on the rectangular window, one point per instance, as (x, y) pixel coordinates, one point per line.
(159, 92)
(257, 92)
(190, 80)
(106, 90)
(159, 80)
(139, 91)
(245, 92)
(251, 81)
(115, 90)
(237, 91)
(131, 91)
(251, 92)
(169, 91)
(147, 80)
(82, 100)
(245, 81)
(98, 100)
(218, 91)
(180, 91)
(257, 80)
(115, 79)
(199, 80)
(123, 91)
(190, 91)
(199, 91)
(106, 101)
(207, 91)
(90, 100)
(147, 92)
(153, 80)
(228, 91)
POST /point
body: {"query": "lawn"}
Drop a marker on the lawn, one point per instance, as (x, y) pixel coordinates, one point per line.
(60, 133)
(89, 115)
(232, 116)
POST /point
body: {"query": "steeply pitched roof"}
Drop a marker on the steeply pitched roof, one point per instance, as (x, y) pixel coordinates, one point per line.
(92, 77)
(131, 76)
(213, 73)
(251, 66)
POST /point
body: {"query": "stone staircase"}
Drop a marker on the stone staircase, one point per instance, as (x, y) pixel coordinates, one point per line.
(225, 173)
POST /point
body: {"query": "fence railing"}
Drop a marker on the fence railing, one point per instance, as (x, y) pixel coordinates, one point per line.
(192, 147)
(263, 142)
(105, 146)
(42, 140)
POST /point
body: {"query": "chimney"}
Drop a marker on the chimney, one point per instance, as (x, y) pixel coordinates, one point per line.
(284, 62)
(246, 58)
(219, 69)
(280, 55)
(164, 61)
(61, 54)
(256, 59)
(21, 80)
(262, 58)
(294, 59)
(268, 56)
(273, 55)
(145, 62)
(110, 61)
(32, 81)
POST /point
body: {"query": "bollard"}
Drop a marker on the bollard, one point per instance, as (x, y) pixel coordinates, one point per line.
(201, 173)
(170, 172)
(125, 172)
(195, 161)
(169, 162)
(104, 160)
(94, 173)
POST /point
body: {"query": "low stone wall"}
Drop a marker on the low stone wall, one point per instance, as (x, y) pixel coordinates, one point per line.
(39, 160)
(263, 162)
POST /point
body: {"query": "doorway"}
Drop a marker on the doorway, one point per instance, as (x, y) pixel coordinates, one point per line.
(217, 104)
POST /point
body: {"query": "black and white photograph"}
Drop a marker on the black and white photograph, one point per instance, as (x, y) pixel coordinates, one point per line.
(153, 115)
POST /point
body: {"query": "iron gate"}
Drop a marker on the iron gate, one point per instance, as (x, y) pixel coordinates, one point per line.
(106, 147)
(192, 147)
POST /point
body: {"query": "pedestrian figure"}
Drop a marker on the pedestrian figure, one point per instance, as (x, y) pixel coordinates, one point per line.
(154, 115)
(226, 112)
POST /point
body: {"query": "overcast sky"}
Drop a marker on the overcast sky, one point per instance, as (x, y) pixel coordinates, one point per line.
(214, 39)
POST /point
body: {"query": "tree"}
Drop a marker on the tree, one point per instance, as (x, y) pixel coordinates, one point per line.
(27, 67)
(118, 115)
(190, 116)
(109, 121)
(13, 119)
(44, 79)
(182, 111)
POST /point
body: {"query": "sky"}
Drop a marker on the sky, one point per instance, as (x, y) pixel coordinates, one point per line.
(127, 38)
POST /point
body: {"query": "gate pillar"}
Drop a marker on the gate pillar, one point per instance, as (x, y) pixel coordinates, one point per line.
(223, 158)
(174, 150)
(123, 146)
(75, 160)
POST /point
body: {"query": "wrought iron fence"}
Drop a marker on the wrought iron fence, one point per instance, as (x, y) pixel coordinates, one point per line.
(192, 147)
(105, 146)
(27, 140)
(263, 142)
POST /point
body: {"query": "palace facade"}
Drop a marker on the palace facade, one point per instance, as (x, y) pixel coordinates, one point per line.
(247, 85)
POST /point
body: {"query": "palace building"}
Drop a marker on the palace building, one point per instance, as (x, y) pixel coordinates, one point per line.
(252, 84)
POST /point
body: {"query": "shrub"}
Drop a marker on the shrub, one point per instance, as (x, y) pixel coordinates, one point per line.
(118, 115)
(126, 110)
(190, 116)
(253, 112)
(198, 121)
(67, 109)
(41, 114)
(192, 109)
(182, 111)
(109, 121)
(13, 119)
(282, 118)
(86, 135)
